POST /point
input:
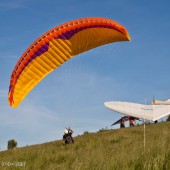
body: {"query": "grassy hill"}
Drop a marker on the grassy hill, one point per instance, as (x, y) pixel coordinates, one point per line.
(106, 150)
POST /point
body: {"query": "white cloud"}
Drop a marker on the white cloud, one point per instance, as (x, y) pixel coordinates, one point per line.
(28, 124)
(27, 117)
(9, 5)
(7, 57)
(3, 93)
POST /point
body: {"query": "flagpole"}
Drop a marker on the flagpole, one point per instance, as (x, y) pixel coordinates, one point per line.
(144, 135)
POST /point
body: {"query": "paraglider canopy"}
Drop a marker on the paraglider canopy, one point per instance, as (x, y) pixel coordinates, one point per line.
(57, 46)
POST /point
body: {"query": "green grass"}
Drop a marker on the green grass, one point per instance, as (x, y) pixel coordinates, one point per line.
(107, 150)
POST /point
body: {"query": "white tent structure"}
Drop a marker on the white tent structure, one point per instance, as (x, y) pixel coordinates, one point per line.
(157, 110)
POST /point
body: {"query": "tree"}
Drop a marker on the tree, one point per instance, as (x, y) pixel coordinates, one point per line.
(12, 144)
(85, 133)
(168, 119)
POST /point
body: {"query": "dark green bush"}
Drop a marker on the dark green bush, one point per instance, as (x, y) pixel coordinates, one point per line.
(12, 144)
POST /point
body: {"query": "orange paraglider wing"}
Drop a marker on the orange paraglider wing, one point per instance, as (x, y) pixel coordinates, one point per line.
(57, 46)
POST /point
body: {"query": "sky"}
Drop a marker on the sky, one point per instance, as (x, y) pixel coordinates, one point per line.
(73, 95)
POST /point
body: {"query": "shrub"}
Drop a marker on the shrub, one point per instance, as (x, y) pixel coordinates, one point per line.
(85, 133)
(12, 144)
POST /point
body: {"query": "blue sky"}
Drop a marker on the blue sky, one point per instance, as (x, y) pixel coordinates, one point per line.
(73, 95)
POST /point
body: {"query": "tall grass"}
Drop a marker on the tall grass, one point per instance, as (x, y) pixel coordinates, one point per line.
(107, 150)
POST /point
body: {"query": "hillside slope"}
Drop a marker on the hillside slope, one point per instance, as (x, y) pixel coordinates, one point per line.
(107, 150)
